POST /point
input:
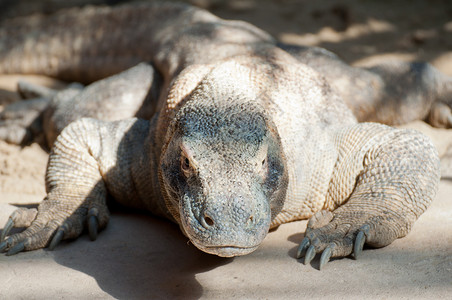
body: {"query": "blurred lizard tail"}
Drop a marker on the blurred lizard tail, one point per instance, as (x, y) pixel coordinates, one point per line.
(81, 44)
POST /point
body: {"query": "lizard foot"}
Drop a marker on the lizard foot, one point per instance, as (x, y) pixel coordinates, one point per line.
(338, 236)
(440, 115)
(21, 121)
(47, 227)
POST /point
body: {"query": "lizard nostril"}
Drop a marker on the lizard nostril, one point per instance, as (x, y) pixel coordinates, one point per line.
(208, 221)
(250, 220)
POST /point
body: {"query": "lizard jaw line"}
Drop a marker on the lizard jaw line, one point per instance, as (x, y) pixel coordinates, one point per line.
(227, 251)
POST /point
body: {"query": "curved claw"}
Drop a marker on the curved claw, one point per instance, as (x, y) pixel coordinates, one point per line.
(93, 226)
(359, 244)
(3, 246)
(305, 243)
(56, 239)
(326, 255)
(310, 254)
(9, 225)
(16, 249)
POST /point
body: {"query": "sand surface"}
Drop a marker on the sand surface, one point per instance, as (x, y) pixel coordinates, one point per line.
(140, 257)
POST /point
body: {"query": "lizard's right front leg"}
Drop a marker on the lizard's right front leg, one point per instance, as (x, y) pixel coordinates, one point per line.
(89, 160)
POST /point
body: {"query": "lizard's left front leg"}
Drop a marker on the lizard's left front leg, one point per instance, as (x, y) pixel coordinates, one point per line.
(90, 160)
(383, 180)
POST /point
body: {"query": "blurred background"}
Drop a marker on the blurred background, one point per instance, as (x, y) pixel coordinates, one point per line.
(359, 31)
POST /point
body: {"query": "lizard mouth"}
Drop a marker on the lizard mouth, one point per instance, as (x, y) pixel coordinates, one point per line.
(226, 251)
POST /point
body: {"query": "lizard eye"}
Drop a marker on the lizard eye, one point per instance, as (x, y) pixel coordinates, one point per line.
(185, 165)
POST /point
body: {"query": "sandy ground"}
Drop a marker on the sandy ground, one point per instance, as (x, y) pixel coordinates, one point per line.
(140, 257)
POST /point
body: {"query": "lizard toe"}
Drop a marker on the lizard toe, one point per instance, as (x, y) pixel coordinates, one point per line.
(3, 246)
(57, 238)
(21, 217)
(16, 249)
(71, 228)
(304, 245)
(310, 254)
(326, 255)
(359, 242)
(93, 226)
(8, 226)
(97, 219)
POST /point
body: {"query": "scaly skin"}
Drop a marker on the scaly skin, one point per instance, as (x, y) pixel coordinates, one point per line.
(242, 137)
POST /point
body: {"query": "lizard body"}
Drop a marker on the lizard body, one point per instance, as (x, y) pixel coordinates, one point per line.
(241, 136)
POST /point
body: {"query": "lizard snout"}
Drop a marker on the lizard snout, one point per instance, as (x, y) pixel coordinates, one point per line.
(244, 216)
(228, 225)
(208, 221)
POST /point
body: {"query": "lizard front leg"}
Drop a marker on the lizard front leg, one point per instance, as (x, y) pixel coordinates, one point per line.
(384, 179)
(90, 160)
(131, 93)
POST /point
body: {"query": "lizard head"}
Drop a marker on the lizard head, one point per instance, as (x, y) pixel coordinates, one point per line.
(224, 175)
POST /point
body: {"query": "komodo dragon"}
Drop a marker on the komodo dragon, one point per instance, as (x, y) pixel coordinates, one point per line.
(235, 136)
